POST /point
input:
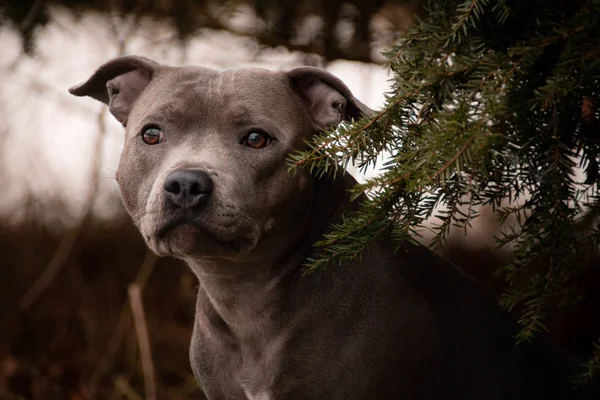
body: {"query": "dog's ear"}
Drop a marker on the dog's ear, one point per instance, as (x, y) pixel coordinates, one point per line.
(328, 99)
(118, 83)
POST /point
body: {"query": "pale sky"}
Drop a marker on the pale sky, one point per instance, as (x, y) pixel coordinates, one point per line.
(50, 134)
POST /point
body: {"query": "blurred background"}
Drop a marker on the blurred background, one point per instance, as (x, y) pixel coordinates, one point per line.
(82, 302)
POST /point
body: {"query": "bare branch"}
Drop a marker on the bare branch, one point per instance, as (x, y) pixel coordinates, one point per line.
(139, 319)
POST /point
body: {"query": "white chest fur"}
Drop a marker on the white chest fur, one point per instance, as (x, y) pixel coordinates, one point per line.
(261, 395)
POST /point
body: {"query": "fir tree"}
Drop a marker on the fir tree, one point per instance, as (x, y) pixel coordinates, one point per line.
(494, 103)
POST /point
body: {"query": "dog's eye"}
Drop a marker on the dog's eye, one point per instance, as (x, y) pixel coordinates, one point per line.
(152, 135)
(256, 140)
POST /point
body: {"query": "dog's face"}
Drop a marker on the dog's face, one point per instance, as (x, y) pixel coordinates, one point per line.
(203, 172)
(235, 129)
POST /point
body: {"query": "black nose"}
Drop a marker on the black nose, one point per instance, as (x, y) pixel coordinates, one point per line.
(187, 188)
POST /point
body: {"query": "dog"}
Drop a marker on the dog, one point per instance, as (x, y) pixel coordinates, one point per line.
(204, 176)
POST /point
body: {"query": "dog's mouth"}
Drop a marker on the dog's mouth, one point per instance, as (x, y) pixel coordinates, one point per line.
(185, 236)
(191, 227)
(172, 224)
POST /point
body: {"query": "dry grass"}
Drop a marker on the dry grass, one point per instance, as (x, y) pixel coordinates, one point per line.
(79, 340)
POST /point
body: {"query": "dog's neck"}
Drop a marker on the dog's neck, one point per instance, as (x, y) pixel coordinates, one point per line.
(245, 296)
(240, 293)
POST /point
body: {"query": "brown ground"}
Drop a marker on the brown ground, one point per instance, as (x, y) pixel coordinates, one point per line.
(78, 339)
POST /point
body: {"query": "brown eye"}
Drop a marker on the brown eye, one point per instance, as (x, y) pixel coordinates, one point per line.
(152, 135)
(256, 140)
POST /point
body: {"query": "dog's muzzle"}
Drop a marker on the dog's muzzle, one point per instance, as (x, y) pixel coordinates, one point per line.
(186, 194)
(187, 188)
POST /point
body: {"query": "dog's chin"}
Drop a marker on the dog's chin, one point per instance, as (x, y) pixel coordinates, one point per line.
(187, 240)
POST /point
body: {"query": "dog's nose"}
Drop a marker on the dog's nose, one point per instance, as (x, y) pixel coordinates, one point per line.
(186, 188)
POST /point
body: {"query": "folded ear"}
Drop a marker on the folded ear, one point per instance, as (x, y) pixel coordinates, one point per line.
(328, 99)
(118, 83)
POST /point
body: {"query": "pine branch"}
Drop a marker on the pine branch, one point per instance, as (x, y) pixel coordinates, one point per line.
(592, 367)
(490, 105)
(468, 14)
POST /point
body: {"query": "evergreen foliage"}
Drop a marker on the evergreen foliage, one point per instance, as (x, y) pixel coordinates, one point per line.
(494, 103)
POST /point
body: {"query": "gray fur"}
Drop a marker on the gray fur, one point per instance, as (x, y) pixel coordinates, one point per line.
(396, 325)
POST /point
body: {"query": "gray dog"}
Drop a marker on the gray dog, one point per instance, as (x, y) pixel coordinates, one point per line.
(204, 176)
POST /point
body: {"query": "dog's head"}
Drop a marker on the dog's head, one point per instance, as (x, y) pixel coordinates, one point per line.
(203, 172)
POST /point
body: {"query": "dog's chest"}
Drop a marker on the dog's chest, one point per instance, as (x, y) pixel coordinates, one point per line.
(262, 395)
(259, 369)
(256, 382)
